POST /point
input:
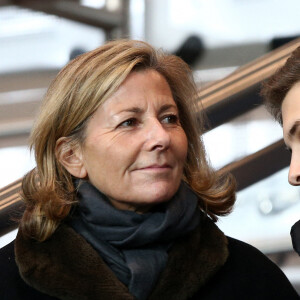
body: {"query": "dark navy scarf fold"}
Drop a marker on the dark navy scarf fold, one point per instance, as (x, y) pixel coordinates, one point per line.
(134, 245)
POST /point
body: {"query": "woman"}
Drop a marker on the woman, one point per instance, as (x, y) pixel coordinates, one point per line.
(122, 202)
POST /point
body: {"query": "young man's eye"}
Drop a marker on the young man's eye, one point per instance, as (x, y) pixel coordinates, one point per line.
(129, 123)
(170, 119)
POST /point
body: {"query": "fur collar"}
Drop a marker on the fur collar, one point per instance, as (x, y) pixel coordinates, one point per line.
(56, 267)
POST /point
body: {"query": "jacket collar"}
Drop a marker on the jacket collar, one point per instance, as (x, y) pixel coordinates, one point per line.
(56, 267)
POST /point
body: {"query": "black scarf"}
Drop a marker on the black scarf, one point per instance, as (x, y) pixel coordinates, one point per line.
(134, 245)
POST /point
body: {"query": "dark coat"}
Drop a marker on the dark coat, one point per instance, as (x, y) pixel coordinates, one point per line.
(203, 265)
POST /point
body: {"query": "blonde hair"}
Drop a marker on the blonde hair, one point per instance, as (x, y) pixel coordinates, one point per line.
(72, 98)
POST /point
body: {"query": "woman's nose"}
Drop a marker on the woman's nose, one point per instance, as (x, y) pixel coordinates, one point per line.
(294, 172)
(158, 137)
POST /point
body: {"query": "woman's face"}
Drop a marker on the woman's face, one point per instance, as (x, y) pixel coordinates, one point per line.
(135, 147)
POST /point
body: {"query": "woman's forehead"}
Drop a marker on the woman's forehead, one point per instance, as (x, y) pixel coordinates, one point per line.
(139, 86)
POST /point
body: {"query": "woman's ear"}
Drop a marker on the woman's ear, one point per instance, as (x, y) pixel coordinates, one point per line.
(70, 156)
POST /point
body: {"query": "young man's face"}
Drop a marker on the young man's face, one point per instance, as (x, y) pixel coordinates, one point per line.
(291, 130)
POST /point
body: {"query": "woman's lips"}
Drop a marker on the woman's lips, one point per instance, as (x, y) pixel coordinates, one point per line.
(155, 167)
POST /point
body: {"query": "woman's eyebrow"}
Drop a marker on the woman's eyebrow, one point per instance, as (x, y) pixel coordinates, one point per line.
(133, 109)
(139, 110)
(167, 106)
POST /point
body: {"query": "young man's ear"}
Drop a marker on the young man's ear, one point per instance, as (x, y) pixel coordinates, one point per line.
(70, 156)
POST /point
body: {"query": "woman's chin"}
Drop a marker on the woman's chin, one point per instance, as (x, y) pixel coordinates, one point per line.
(140, 196)
(157, 193)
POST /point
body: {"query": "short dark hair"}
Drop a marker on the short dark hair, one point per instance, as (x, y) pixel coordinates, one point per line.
(275, 88)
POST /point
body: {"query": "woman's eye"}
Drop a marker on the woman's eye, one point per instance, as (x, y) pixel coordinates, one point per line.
(170, 119)
(129, 123)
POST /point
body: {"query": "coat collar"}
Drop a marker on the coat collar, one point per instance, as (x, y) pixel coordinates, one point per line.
(56, 266)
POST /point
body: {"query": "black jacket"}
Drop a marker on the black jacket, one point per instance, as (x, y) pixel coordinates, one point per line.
(203, 265)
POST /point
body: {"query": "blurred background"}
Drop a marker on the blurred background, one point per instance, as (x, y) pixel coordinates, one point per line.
(219, 39)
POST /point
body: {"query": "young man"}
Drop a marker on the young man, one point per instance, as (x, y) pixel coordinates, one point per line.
(281, 93)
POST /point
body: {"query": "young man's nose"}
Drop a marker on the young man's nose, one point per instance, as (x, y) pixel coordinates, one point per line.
(294, 172)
